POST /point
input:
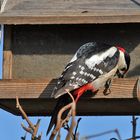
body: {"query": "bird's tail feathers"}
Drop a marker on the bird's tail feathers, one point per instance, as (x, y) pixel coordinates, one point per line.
(61, 91)
(62, 101)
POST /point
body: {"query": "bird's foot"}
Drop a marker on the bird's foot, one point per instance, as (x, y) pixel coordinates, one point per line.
(107, 89)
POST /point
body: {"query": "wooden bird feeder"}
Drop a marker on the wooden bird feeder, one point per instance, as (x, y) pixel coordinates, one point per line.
(40, 37)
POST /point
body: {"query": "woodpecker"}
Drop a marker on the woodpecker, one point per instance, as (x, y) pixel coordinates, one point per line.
(92, 67)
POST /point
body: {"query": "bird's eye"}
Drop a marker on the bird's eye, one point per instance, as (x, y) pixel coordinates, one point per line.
(123, 69)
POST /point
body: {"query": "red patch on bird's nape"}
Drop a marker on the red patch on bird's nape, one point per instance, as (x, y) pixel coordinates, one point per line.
(120, 48)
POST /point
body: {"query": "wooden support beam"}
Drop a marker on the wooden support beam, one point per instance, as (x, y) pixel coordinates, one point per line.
(7, 64)
(42, 88)
(35, 98)
(7, 53)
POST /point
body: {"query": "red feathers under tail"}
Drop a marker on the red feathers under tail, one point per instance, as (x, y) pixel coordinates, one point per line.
(78, 93)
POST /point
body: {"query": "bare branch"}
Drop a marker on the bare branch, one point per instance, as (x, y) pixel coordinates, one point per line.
(118, 134)
(24, 138)
(24, 114)
(36, 128)
(32, 129)
(60, 122)
(29, 130)
(134, 125)
(134, 138)
(75, 133)
(100, 134)
(73, 123)
(73, 112)
(58, 136)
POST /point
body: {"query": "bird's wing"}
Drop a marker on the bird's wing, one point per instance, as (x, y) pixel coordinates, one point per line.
(90, 61)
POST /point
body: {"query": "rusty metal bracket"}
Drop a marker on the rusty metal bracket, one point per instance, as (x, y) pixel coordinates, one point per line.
(138, 89)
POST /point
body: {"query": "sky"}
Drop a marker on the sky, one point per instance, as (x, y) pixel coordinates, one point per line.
(10, 125)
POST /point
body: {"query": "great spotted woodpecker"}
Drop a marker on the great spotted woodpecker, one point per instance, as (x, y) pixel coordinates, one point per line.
(93, 66)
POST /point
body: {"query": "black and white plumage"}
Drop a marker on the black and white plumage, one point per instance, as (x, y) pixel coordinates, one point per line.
(90, 68)
(91, 61)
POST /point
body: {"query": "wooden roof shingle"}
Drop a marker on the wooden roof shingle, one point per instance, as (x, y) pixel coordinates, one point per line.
(69, 11)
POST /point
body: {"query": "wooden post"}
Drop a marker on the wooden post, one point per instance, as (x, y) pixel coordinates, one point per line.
(7, 53)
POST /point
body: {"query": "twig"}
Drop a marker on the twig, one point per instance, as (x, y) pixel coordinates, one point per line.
(58, 136)
(73, 123)
(23, 113)
(61, 122)
(100, 134)
(75, 133)
(24, 138)
(32, 129)
(134, 125)
(118, 134)
(133, 138)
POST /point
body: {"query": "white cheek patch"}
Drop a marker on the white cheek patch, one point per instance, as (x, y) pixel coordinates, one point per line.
(122, 63)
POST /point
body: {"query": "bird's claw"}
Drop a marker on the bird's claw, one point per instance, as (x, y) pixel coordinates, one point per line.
(107, 89)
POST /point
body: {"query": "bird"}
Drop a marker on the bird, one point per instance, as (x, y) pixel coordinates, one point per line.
(92, 67)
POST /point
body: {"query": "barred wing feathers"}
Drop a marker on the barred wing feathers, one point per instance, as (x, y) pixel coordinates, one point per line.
(89, 62)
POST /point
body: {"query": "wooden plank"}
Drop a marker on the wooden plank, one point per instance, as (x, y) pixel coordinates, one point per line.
(7, 65)
(7, 54)
(70, 12)
(9, 89)
(35, 97)
(71, 19)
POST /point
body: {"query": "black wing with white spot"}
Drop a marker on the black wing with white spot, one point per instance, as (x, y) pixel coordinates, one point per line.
(90, 61)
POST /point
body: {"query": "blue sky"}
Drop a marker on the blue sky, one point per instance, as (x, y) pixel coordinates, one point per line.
(10, 128)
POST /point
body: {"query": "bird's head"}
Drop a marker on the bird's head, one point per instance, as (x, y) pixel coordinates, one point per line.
(124, 62)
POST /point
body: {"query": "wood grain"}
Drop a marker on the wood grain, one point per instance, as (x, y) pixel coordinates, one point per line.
(69, 12)
(7, 54)
(34, 96)
(9, 89)
(7, 65)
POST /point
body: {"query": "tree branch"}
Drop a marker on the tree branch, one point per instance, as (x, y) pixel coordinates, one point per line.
(32, 129)
(60, 122)
(75, 133)
(134, 125)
